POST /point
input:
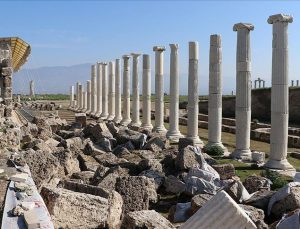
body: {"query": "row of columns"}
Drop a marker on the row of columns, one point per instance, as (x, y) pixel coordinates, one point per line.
(279, 107)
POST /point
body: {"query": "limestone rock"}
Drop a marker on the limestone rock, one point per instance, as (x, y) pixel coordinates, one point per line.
(187, 158)
(157, 176)
(255, 214)
(85, 176)
(109, 180)
(68, 161)
(174, 185)
(260, 199)
(109, 159)
(100, 130)
(136, 138)
(146, 219)
(198, 201)
(256, 183)
(196, 185)
(87, 163)
(155, 144)
(226, 171)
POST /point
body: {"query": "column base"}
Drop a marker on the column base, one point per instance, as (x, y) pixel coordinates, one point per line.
(280, 165)
(135, 124)
(244, 154)
(117, 120)
(97, 115)
(110, 117)
(220, 144)
(196, 141)
(103, 116)
(159, 129)
(147, 126)
(88, 111)
(174, 136)
(125, 122)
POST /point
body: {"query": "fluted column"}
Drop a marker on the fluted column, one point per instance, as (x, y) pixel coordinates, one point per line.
(93, 91)
(99, 90)
(71, 96)
(146, 111)
(243, 91)
(193, 94)
(173, 132)
(111, 93)
(104, 113)
(126, 91)
(279, 93)
(215, 92)
(159, 89)
(88, 96)
(135, 91)
(118, 100)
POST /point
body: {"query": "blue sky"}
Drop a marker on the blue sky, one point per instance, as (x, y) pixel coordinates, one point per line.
(74, 32)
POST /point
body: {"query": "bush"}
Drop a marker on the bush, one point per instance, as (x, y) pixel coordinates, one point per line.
(213, 150)
(277, 180)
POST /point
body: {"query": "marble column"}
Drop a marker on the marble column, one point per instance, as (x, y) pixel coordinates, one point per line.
(80, 104)
(159, 89)
(111, 94)
(173, 132)
(84, 101)
(279, 93)
(146, 111)
(243, 91)
(126, 91)
(71, 96)
(93, 91)
(135, 91)
(77, 97)
(104, 113)
(118, 99)
(31, 88)
(88, 96)
(193, 96)
(215, 92)
(99, 90)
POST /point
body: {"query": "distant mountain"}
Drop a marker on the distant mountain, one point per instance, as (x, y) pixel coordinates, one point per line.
(50, 79)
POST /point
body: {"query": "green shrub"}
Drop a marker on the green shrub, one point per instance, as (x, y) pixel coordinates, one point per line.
(277, 180)
(213, 150)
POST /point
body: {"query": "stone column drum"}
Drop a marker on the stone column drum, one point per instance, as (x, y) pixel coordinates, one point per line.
(135, 91)
(126, 91)
(93, 91)
(104, 113)
(146, 114)
(111, 94)
(99, 90)
(243, 91)
(173, 132)
(88, 96)
(193, 96)
(215, 92)
(279, 94)
(118, 99)
(159, 89)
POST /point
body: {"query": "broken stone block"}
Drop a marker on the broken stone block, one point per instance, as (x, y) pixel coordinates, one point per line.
(226, 171)
(109, 159)
(255, 214)
(196, 185)
(181, 212)
(111, 176)
(81, 119)
(198, 201)
(19, 177)
(85, 176)
(256, 183)
(289, 221)
(136, 191)
(174, 185)
(146, 219)
(157, 176)
(155, 144)
(87, 163)
(100, 130)
(237, 191)
(187, 158)
(136, 138)
(153, 164)
(221, 211)
(70, 209)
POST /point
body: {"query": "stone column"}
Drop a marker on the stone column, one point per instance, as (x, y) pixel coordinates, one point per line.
(77, 97)
(259, 83)
(159, 90)
(104, 113)
(80, 99)
(173, 132)
(135, 91)
(99, 90)
(126, 91)
(243, 91)
(215, 92)
(279, 93)
(292, 82)
(146, 114)
(111, 97)
(88, 96)
(31, 88)
(93, 91)
(71, 96)
(118, 100)
(84, 101)
(297, 83)
(193, 97)
(264, 83)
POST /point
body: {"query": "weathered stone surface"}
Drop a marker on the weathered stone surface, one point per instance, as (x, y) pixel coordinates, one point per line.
(109, 159)
(85, 176)
(255, 214)
(153, 164)
(155, 144)
(136, 191)
(196, 185)
(92, 149)
(146, 219)
(136, 138)
(87, 163)
(100, 130)
(198, 201)
(260, 199)
(174, 185)
(237, 191)
(68, 161)
(187, 158)
(226, 171)
(109, 180)
(157, 176)
(74, 142)
(256, 183)
(180, 213)
(70, 209)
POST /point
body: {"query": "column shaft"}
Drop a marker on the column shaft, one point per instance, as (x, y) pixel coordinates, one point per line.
(104, 113)
(93, 91)
(71, 96)
(99, 90)
(88, 96)
(118, 100)
(135, 91)
(126, 91)
(111, 97)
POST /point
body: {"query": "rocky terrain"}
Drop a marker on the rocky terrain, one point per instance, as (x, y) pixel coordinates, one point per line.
(107, 176)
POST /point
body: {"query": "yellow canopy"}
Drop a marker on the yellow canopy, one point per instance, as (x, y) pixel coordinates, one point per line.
(20, 51)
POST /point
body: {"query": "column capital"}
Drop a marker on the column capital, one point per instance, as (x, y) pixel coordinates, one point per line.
(174, 46)
(103, 63)
(215, 40)
(135, 55)
(159, 48)
(280, 18)
(241, 25)
(193, 50)
(126, 57)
